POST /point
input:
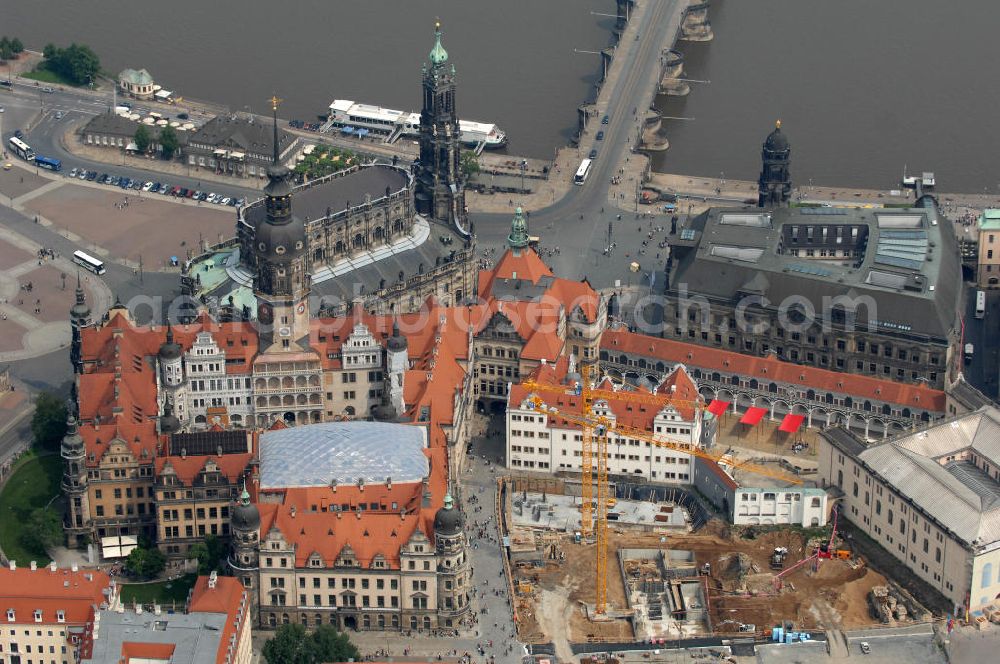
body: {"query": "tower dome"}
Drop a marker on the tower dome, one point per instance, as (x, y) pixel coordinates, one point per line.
(438, 55)
(246, 516)
(168, 421)
(170, 350)
(80, 310)
(448, 520)
(776, 140)
(397, 342)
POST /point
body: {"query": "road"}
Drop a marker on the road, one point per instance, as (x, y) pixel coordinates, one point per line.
(982, 372)
(578, 223)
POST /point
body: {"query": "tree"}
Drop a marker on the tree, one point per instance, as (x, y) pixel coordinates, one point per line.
(142, 139)
(169, 142)
(77, 63)
(17, 46)
(468, 164)
(145, 563)
(210, 554)
(48, 424)
(44, 530)
(6, 48)
(292, 645)
(334, 646)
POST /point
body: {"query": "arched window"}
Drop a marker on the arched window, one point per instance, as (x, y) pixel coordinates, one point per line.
(987, 579)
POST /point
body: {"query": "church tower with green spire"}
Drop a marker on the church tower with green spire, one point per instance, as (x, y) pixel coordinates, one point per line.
(440, 191)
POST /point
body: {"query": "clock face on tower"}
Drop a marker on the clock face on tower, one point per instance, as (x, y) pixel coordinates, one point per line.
(265, 314)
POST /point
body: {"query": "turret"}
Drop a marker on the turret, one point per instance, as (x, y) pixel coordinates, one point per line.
(79, 318)
(454, 575)
(74, 483)
(244, 552)
(774, 188)
(397, 360)
(171, 361)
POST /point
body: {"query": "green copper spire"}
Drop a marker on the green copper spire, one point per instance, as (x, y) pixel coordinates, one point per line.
(518, 238)
(245, 496)
(438, 55)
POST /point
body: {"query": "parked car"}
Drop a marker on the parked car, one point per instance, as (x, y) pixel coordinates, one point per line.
(211, 197)
(600, 135)
(137, 185)
(18, 133)
(225, 201)
(116, 180)
(147, 186)
(605, 120)
(593, 154)
(232, 202)
(202, 196)
(189, 193)
(72, 173)
(48, 90)
(91, 176)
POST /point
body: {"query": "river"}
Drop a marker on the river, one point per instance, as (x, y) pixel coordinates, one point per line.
(863, 88)
(515, 59)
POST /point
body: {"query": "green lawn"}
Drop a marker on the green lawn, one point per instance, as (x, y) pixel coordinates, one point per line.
(163, 593)
(46, 76)
(34, 483)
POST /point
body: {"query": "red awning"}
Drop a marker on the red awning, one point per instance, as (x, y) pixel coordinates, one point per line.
(717, 407)
(753, 415)
(791, 423)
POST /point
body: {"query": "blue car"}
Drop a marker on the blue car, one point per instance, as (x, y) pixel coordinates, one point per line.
(600, 135)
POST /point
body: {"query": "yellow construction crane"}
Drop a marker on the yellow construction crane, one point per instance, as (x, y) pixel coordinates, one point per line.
(597, 428)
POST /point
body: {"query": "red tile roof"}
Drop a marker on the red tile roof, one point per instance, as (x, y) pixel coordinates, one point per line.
(76, 593)
(228, 597)
(187, 469)
(770, 368)
(627, 412)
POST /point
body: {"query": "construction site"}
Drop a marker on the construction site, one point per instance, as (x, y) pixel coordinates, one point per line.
(665, 583)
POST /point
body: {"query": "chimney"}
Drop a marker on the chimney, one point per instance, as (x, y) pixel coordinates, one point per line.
(52, 566)
(361, 484)
(13, 566)
(293, 511)
(74, 567)
(213, 579)
(388, 482)
(218, 450)
(184, 452)
(34, 566)
(358, 513)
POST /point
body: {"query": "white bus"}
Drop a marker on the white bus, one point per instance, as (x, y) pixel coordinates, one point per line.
(582, 172)
(89, 262)
(21, 149)
(980, 304)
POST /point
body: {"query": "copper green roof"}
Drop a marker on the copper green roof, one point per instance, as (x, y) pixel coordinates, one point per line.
(518, 238)
(989, 220)
(438, 55)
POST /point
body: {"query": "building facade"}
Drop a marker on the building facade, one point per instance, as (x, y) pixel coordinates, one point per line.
(988, 266)
(929, 499)
(440, 192)
(867, 405)
(751, 501)
(546, 442)
(49, 611)
(240, 147)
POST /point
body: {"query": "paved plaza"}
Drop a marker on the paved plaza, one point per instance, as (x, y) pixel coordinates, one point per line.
(126, 225)
(36, 293)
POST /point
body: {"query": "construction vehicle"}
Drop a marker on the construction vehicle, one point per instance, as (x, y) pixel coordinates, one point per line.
(778, 557)
(596, 429)
(822, 551)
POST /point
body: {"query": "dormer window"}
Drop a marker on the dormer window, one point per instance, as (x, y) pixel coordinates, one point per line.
(60, 616)
(38, 615)
(10, 615)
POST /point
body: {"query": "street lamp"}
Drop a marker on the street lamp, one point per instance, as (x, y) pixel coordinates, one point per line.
(523, 165)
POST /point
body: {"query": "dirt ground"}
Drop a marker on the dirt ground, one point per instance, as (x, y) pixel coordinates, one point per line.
(831, 594)
(11, 256)
(150, 227)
